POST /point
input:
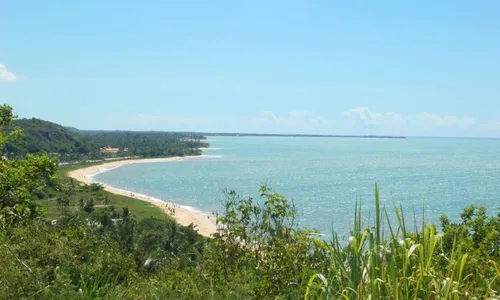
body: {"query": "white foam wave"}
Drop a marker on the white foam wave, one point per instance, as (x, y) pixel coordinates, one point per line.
(100, 171)
(180, 159)
(132, 193)
(145, 196)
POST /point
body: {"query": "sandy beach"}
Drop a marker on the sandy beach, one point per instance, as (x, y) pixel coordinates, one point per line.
(204, 224)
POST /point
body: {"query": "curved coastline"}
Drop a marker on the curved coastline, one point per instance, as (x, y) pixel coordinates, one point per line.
(184, 215)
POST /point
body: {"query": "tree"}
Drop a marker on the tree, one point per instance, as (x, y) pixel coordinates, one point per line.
(261, 237)
(89, 206)
(63, 204)
(21, 179)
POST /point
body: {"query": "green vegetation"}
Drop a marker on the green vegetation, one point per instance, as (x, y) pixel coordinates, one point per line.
(68, 195)
(103, 247)
(22, 178)
(72, 145)
(146, 144)
(44, 136)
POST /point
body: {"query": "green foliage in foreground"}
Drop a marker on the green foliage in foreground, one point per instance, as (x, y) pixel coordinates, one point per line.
(258, 254)
(407, 265)
(98, 251)
(22, 178)
(86, 256)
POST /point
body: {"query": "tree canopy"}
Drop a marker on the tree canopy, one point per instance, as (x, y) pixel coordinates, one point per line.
(20, 179)
(71, 144)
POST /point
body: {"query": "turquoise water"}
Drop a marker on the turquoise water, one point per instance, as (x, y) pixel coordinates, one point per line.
(326, 176)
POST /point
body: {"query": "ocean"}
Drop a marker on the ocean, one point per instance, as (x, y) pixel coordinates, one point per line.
(325, 177)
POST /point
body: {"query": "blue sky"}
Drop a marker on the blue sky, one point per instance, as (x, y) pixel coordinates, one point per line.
(370, 67)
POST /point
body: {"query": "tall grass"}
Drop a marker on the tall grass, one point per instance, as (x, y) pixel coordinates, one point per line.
(399, 266)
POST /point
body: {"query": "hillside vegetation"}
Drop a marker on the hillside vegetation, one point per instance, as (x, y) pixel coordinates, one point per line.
(71, 145)
(43, 136)
(100, 248)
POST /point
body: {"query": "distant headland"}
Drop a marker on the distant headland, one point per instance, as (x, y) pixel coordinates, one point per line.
(302, 135)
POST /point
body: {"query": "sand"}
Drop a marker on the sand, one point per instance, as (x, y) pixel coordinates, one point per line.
(204, 224)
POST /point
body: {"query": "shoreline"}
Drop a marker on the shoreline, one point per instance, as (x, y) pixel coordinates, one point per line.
(182, 214)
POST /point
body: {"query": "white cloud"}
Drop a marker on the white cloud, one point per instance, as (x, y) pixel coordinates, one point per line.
(299, 121)
(410, 123)
(269, 114)
(6, 76)
(441, 120)
(172, 122)
(359, 120)
(148, 117)
(364, 115)
(492, 126)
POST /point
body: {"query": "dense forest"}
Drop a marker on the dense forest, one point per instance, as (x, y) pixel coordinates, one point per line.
(72, 145)
(44, 137)
(146, 143)
(60, 239)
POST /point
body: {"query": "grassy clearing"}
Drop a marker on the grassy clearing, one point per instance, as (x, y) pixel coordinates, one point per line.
(139, 209)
